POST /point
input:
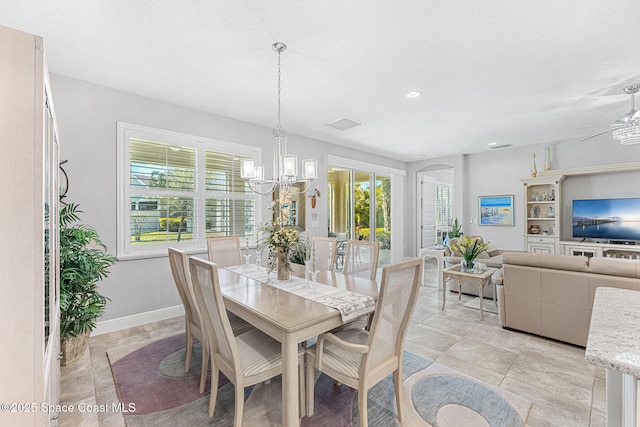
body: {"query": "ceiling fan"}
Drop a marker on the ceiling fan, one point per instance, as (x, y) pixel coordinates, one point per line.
(627, 128)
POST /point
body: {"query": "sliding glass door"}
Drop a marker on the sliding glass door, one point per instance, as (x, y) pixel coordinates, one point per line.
(359, 207)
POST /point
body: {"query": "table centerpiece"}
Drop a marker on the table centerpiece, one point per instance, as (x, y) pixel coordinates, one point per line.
(281, 241)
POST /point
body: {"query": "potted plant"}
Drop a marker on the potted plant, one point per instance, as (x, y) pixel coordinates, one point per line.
(83, 262)
(469, 249)
(456, 229)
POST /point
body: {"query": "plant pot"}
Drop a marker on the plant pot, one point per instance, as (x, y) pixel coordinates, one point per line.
(73, 347)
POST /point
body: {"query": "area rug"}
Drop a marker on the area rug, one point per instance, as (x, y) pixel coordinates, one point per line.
(150, 375)
(488, 305)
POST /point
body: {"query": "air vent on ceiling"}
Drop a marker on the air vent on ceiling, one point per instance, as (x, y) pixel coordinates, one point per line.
(344, 123)
(495, 147)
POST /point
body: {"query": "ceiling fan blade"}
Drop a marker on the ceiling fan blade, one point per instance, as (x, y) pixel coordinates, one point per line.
(595, 134)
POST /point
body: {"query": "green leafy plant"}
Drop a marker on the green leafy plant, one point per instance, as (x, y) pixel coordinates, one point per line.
(456, 229)
(83, 263)
(469, 247)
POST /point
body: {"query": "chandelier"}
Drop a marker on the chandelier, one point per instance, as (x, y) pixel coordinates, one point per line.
(629, 132)
(285, 165)
(628, 135)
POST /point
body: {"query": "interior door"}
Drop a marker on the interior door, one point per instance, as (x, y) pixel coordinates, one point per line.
(427, 211)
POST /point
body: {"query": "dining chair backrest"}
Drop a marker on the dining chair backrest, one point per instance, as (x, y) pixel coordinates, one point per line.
(216, 322)
(361, 258)
(224, 251)
(399, 289)
(179, 263)
(324, 250)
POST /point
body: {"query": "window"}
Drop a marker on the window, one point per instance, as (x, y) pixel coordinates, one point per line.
(177, 190)
(443, 208)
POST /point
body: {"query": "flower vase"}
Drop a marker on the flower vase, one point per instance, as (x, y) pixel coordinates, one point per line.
(283, 263)
(466, 265)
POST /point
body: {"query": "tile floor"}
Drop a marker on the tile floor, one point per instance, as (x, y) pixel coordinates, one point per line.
(564, 389)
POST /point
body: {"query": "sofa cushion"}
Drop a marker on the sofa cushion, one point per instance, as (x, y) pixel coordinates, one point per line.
(565, 262)
(521, 258)
(614, 266)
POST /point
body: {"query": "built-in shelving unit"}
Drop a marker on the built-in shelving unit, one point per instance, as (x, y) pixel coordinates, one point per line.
(542, 213)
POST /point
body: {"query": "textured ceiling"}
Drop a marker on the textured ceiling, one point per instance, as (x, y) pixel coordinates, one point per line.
(513, 72)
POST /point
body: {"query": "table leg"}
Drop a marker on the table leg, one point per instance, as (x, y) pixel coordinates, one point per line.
(480, 288)
(445, 280)
(289, 381)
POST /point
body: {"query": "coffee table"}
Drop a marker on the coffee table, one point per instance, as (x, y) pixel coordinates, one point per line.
(478, 279)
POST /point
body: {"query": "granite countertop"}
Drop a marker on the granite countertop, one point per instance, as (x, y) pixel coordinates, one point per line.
(614, 334)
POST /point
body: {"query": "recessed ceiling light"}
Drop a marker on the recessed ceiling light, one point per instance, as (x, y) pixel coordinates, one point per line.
(413, 94)
(492, 144)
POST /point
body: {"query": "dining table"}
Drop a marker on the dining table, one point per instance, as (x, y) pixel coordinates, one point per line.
(288, 318)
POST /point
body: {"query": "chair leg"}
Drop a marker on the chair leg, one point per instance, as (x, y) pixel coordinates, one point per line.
(310, 384)
(237, 413)
(189, 347)
(213, 394)
(397, 382)
(204, 370)
(362, 407)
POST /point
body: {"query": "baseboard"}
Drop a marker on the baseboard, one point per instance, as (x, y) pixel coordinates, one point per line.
(125, 322)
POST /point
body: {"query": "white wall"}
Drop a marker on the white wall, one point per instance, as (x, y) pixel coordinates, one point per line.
(87, 116)
(497, 172)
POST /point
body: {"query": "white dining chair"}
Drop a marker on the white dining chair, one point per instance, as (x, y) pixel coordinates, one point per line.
(193, 314)
(246, 359)
(224, 251)
(324, 252)
(192, 318)
(361, 258)
(361, 359)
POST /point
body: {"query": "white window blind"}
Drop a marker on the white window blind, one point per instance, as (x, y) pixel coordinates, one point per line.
(177, 190)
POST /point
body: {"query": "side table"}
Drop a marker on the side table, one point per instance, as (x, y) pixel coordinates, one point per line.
(479, 280)
(436, 253)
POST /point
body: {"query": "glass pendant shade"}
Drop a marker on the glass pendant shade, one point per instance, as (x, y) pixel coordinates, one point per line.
(248, 169)
(289, 164)
(309, 169)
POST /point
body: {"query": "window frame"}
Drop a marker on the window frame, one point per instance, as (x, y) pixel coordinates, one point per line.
(127, 131)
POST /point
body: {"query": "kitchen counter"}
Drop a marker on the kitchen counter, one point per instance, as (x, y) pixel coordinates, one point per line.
(614, 343)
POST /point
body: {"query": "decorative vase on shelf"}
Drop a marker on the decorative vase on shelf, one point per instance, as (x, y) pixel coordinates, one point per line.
(534, 169)
(283, 263)
(547, 160)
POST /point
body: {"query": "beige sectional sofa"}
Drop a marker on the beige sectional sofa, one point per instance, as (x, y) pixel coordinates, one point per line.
(552, 295)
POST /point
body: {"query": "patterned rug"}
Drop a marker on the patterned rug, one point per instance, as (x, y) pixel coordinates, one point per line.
(151, 376)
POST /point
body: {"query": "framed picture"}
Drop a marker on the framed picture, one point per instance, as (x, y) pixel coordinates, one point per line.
(496, 210)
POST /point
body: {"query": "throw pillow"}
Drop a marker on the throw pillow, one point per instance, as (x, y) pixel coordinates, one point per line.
(492, 250)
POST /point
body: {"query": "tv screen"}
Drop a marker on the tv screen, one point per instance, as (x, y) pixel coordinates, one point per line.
(613, 219)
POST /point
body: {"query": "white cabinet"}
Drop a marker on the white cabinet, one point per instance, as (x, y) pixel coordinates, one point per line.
(541, 245)
(29, 273)
(590, 249)
(542, 214)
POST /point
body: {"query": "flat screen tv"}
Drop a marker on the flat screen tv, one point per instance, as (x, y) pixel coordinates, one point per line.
(610, 219)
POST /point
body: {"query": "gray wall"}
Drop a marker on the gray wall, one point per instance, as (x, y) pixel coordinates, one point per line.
(87, 116)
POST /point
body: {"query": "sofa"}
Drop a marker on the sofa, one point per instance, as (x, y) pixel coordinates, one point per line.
(551, 295)
(492, 257)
